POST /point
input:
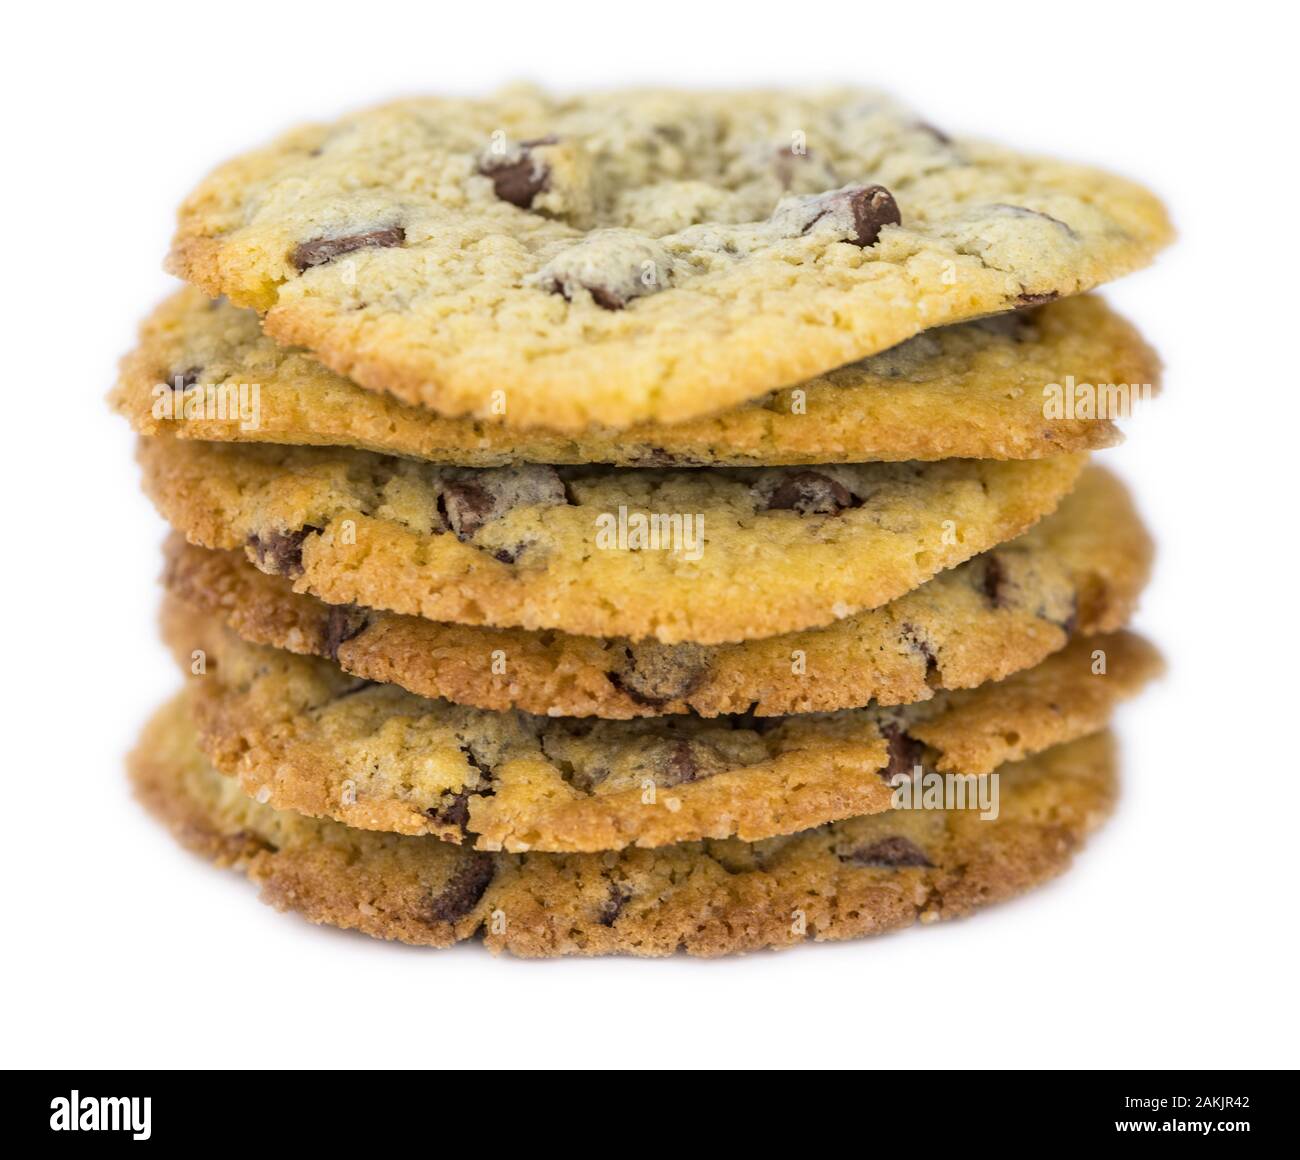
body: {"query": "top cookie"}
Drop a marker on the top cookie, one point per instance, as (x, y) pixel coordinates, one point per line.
(616, 258)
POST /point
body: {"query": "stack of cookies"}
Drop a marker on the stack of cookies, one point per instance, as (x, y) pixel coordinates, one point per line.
(642, 522)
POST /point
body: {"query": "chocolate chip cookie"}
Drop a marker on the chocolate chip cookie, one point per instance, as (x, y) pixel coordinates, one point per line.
(844, 880)
(706, 556)
(1079, 569)
(639, 256)
(205, 370)
(301, 734)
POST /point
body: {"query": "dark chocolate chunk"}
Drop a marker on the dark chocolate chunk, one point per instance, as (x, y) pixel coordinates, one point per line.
(750, 722)
(519, 177)
(912, 637)
(655, 673)
(890, 853)
(318, 251)
(344, 622)
(466, 506)
(477, 762)
(810, 493)
(613, 266)
(606, 297)
(1037, 299)
(359, 686)
(681, 764)
(1071, 621)
(464, 889)
(454, 813)
(994, 582)
(455, 810)
(613, 905)
(469, 499)
(1003, 208)
(182, 380)
(603, 296)
(280, 553)
(687, 761)
(1016, 325)
(931, 131)
(252, 841)
(658, 457)
(511, 554)
(871, 207)
(905, 753)
(521, 182)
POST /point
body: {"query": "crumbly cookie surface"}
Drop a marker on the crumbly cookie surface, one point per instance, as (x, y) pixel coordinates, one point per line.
(1080, 568)
(204, 370)
(845, 880)
(738, 552)
(624, 257)
(301, 734)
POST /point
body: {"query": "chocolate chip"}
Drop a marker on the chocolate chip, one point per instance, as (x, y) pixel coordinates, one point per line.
(182, 380)
(664, 760)
(658, 457)
(1016, 325)
(454, 813)
(612, 907)
(1037, 299)
(749, 721)
(606, 297)
(681, 764)
(912, 638)
(344, 622)
(469, 499)
(890, 853)
(252, 840)
(518, 176)
(464, 889)
(1002, 208)
(479, 763)
(873, 209)
(905, 753)
(930, 131)
(809, 493)
(586, 778)
(1062, 612)
(655, 673)
(910, 359)
(994, 582)
(466, 506)
(614, 266)
(1071, 621)
(280, 553)
(321, 250)
(684, 761)
(868, 208)
(521, 182)
(454, 810)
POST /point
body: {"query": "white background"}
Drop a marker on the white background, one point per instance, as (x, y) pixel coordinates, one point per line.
(1172, 943)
